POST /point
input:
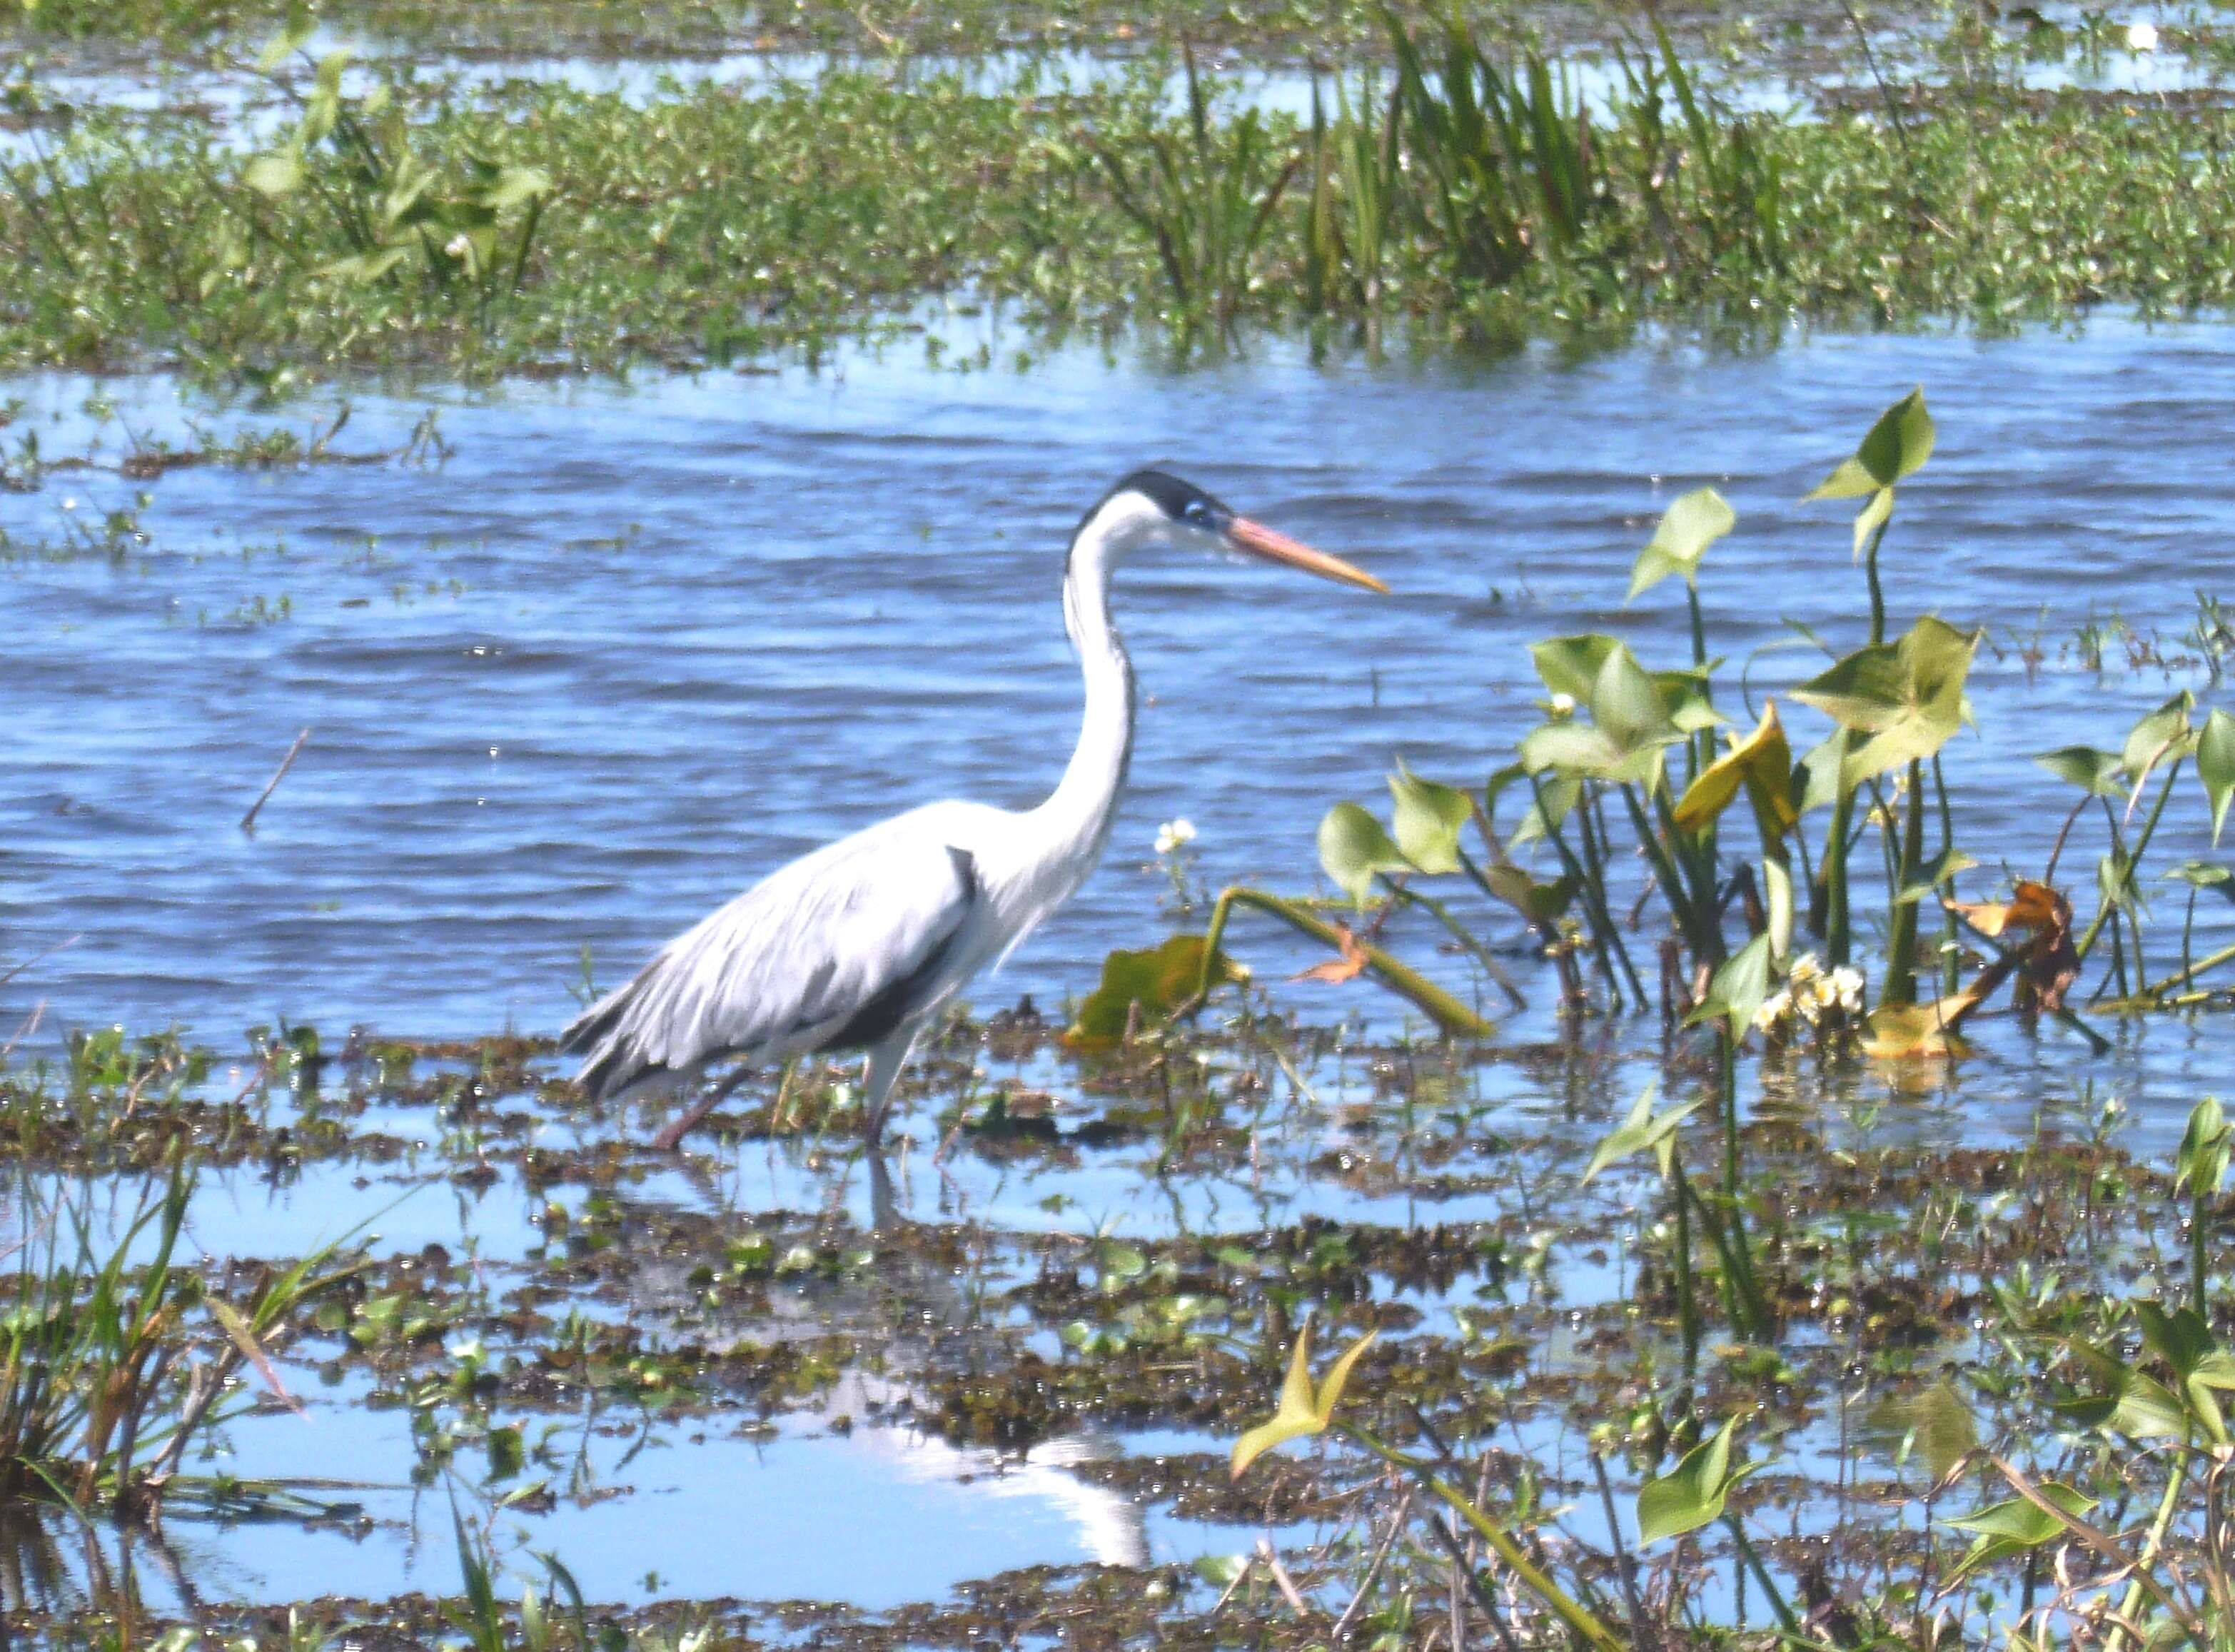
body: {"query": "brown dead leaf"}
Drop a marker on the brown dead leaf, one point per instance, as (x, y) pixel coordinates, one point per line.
(2033, 905)
(2045, 961)
(1336, 971)
(2037, 920)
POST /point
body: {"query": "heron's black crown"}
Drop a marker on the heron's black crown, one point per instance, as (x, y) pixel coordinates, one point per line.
(1181, 501)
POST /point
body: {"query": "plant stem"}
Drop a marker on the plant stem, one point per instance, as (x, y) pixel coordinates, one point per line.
(1579, 1621)
(1460, 933)
(1837, 922)
(1948, 934)
(1785, 1617)
(1453, 1017)
(1606, 938)
(1901, 940)
(1688, 1301)
(2131, 859)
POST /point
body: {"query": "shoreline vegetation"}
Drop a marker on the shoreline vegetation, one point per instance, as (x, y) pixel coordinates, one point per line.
(1461, 194)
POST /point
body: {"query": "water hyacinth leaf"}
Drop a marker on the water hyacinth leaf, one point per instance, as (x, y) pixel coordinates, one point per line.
(2009, 1529)
(1819, 773)
(2159, 736)
(290, 40)
(1299, 1411)
(2215, 765)
(1428, 819)
(1691, 1495)
(2098, 773)
(1626, 702)
(1558, 794)
(1762, 763)
(1906, 698)
(1896, 447)
(1159, 980)
(1513, 774)
(2200, 1166)
(1571, 748)
(2203, 875)
(1689, 527)
(2127, 1401)
(1537, 901)
(1871, 518)
(1934, 873)
(1643, 1129)
(274, 175)
(1684, 697)
(1355, 849)
(508, 1452)
(1220, 1572)
(1739, 988)
(1570, 665)
(506, 186)
(1630, 723)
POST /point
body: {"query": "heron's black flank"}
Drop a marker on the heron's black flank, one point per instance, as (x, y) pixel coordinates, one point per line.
(876, 1019)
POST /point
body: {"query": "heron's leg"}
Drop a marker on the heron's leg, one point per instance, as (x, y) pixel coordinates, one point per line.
(668, 1139)
(883, 1212)
(886, 1061)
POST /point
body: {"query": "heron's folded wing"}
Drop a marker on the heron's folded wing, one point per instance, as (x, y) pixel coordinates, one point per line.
(830, 950)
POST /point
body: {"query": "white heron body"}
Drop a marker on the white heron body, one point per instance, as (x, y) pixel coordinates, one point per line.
(861, 944)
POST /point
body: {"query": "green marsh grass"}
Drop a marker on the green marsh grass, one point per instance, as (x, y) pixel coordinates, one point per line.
(1467, 200)
(113, 1366)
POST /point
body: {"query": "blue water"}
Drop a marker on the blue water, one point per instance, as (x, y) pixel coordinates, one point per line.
(633, 644)
(629, 645)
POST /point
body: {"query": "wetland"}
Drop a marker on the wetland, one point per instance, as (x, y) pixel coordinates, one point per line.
(1699, 1127)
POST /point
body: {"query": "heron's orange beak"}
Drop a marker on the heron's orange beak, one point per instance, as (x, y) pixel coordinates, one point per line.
(1275, 546)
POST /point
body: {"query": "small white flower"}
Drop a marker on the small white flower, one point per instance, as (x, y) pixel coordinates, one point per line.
(1172, 834)
(458, 245)
(2141, 36)
(1774, 1008)
(1846, 986)
(1563, 705)
(1804, 969)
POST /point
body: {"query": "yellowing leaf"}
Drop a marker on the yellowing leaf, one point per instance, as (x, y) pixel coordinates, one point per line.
(1763, 763)
(1300, 1411)
(1918, 1032)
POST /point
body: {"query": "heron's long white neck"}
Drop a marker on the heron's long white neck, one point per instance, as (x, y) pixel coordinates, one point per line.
(1074, 823)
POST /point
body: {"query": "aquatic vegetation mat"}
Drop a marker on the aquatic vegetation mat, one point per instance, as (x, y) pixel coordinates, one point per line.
(1468, 195)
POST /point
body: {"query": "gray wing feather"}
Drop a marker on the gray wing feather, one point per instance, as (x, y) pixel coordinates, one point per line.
(813, 954)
